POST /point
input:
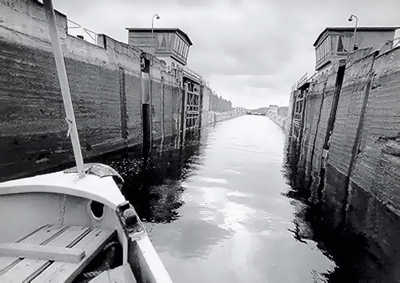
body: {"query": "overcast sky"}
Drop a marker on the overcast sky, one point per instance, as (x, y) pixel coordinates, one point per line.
(250, 51)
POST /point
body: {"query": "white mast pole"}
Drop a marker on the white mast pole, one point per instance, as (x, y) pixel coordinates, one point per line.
(62, 76)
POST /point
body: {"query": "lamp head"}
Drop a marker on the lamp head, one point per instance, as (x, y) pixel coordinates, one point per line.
(352, 16)
(157, 17)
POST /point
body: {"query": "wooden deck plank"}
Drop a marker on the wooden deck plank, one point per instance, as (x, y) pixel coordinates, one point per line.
(37, 238)
(41, 252)
(31, 236)
(28, 267)
(92, 244)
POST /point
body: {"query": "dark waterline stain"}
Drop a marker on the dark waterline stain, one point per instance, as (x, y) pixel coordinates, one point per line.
(350, 247)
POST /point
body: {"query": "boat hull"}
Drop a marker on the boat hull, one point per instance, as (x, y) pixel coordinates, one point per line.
(95, 201)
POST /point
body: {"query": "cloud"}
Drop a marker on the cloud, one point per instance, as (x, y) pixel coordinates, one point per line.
(235, 40)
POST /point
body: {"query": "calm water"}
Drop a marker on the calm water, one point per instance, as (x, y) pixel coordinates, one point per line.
(216, 210)
(235, 225)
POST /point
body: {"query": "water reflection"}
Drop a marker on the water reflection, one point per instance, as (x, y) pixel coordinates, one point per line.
(219, 209)
(153, 185)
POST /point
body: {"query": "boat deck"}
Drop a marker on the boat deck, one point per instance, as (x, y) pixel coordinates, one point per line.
(51, 254)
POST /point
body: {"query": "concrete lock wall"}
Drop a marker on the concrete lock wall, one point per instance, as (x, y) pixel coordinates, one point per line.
(356, 175)
(105, 83)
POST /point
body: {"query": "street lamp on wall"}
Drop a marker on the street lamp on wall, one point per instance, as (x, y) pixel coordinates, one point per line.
(352, 16)
(152, 31)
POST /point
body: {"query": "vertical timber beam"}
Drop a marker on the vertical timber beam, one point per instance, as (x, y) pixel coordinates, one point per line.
(162, 111)
(178, 121)
(294, 96)
(317, 125)
(201, 106)
(303, 112)
(183, 117)
(335, 102)
(303, 125)
(146, 115)
(124, 111)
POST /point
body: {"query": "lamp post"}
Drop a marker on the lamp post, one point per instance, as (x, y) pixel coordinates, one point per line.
(152, 30)
(355, 29)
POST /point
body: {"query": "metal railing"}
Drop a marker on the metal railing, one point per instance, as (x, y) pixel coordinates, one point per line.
(302, 80)
(193, 74)
(391, 41)
(89, 32)
(397, 43)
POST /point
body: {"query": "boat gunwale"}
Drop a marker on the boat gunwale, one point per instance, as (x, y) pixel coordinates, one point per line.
(103, 190)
